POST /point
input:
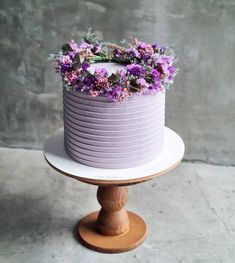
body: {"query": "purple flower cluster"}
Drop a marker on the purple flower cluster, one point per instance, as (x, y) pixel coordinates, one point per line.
(149, 68)
(135, 70)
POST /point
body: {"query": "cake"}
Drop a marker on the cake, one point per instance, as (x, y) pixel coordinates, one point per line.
(114, 112)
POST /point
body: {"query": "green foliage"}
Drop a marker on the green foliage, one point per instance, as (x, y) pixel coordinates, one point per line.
(66, 48)
(91, 37)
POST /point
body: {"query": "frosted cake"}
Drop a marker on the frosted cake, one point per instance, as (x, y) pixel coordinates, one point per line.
(114, 101)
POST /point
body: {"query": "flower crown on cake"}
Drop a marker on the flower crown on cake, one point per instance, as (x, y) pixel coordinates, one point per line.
(148, 68)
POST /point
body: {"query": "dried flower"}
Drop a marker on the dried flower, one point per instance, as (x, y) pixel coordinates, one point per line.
(148, 68)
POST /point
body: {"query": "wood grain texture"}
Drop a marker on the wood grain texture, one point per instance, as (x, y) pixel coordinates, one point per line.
(91, 238)
(112, 219)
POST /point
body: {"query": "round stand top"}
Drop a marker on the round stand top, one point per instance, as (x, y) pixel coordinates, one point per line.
(56, 156)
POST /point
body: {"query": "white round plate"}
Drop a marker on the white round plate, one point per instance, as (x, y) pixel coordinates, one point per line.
(56, 156)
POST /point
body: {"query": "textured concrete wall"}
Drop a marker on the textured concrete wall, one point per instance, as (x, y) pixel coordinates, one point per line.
(200, 106)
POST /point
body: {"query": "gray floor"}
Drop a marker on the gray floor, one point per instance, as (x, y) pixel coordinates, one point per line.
(190, 214)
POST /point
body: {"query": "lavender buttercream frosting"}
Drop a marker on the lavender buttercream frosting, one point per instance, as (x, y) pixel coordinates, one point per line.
(103, 134)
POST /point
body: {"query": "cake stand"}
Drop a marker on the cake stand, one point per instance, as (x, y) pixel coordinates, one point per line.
(113, 229)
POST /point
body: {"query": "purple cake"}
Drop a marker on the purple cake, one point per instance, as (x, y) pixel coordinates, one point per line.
(103, 134)
(114, 101)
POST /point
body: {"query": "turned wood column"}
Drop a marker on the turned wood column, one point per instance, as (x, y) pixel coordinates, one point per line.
(113, 218)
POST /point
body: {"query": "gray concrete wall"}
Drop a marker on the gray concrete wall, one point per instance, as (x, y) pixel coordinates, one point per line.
(200, 106)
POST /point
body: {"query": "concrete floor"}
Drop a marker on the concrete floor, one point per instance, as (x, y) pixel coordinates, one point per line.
(190, 213)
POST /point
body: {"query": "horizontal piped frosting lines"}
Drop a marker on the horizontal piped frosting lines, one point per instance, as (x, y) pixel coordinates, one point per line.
(116, 126)
(128, 148)
(75, 106)
(104, 134)
(114, 157)
(108, 114)
(118, 165)
(136, 132)
(110, 136)
(111, 142)
(91, 122)
(118, 132)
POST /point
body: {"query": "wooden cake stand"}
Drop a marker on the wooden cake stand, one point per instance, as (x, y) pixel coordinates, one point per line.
(113, 229)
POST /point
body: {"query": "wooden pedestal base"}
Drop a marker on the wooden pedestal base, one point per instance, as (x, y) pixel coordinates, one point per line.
(90, 237)
(112, 229)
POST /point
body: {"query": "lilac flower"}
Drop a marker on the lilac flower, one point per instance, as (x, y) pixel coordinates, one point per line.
(66, 63)
(70, 77)
(142, 45)
(79, 85)
(97, 48)
(155, 46)
(101, 83)
(162, 49)
(73, 45)
(146, 50)
(117, 53)
(171, 69)
(149, 69)
(133, 52)
(122, 74)
(135, 69)
(155, 74)
(164, 65)
(101, 72)
(85, 45)
(115, 94)
(85, 49)
(155, 87)
(142, 82)
(85, 65)
(66, 60)
(89, 80)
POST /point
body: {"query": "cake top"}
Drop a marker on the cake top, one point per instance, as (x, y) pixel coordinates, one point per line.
(110, 67)
(115, 71)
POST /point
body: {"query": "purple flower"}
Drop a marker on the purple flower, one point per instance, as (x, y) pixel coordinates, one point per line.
(155, 87)
(133, 52)
(170, 78)
(155, 74)
(122, 74)
(101, 73)
(171, 69)
(117, 53)
(164, 65)
(162, 49)
(73, 45)
(85, 65)
(150, 68)
(89, 80)
(65, 60)
(97, 48)
(155, 46)
(85, 49)
(85, 45)
(135, 69)
(142, 82)
(115, 94)
(79, 85)
(70, 77)
(65, 63)
(142, 45)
